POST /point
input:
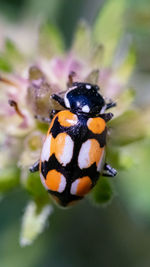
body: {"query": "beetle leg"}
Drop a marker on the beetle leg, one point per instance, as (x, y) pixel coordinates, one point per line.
(109, 171)
(35, 167)
(59, 99)
(110, 105)
(106, 116)
(42, 119)
(52, 113)
(46, 119)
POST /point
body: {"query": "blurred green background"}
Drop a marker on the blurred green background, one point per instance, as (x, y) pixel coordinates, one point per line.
(86, 235)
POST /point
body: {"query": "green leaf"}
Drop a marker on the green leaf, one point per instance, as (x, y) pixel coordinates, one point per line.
(5, 65)
(43, 127)
(10, 56)
(82, 41)
(9, 178)
(109, 27)
(126, 98)
(134, 184)
(50, 41)
(128, 128)
(92, 77)
(113, 155)
(34, 186)
(33, 222)
(102, 192)
(11, 49)
(125, 69)
(12, 53)
(126, 159)
(97, 56)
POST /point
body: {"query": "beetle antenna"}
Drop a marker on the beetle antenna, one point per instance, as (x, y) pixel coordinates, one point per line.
(14, 104)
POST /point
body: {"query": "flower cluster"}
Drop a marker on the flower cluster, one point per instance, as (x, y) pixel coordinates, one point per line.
(26, 85)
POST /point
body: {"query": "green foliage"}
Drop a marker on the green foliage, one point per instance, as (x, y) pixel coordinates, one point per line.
(9, 178)
(10, 56)
(5, 64)
(109, 27)
(82, 40)
(134, 183)
(102, 192)
(130, 127)
(35, 188)
(50, 41)
(43, 127)
(126, 68)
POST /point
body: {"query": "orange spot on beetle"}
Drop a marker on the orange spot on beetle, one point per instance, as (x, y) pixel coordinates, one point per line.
(84, 186)
(67, 119)
(95, 152)
(62, 147)
(90, 153)
(96, 125)
(53, 180)
(57, 145)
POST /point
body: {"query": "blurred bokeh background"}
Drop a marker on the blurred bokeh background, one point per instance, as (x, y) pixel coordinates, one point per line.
(87, 235)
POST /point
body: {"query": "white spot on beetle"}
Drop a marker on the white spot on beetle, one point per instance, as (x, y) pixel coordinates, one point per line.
(83, 158)
(67, 103)
(67, 154)
(62, 184)
(88, 86)
(74, 185)
(72, 122)
(46, 149)
(78, 103)
(86, 109)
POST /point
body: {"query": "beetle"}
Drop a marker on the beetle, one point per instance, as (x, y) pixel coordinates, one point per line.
(73, 154)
